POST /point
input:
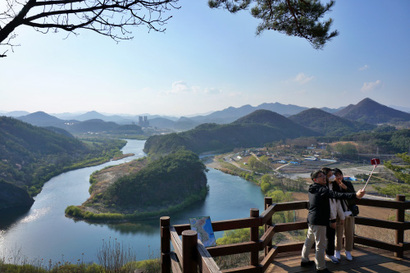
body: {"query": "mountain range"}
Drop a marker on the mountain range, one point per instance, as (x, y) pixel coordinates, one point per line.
(253, 130)
(366, 111)
(264, 126)
(77, 127)
(329, 124)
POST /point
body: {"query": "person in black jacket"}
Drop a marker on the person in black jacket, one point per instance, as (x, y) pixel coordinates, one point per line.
(318, 218)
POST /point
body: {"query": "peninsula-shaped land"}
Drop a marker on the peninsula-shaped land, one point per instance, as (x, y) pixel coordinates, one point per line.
(144, 188)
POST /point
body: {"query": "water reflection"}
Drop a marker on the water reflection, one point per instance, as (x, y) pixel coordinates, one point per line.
(45, 233)
(11, 216)
(145, 228)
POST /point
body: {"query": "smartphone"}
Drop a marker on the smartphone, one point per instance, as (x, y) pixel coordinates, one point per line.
(375, 161)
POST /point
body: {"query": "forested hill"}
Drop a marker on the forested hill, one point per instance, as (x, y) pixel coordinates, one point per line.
(165, 182)
(328, 124)
(255, 129)
(31, 155)
(372, 112)
(145, 188)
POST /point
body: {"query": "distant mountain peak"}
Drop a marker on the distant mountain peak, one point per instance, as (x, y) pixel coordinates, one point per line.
(370, 111)
(327, 123)
(262, 117)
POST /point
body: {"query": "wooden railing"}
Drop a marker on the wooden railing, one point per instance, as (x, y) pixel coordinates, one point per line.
(189, 255)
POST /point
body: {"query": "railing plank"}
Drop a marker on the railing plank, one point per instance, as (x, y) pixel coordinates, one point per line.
(269, 258)
(230, 249)
(390, 204)
(175, 264)
(180, 228)
(290, 226)
(290, 247)
(378, 223)
(236, 224)
(267, 236)
(244, 269)
(267, 214)
(295, 205)
(176, 242)
(376, 243)
(226, 224)
(406, 246)
(206, 262)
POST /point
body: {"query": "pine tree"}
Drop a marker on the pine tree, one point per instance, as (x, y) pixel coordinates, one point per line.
(300, 18)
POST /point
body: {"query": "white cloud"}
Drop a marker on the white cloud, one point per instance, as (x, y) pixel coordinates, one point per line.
(370, 86)
(212, 91)
(365, 67)
(301, 78)
(181, 87)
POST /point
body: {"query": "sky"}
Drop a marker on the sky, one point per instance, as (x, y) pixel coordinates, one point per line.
(208, 60)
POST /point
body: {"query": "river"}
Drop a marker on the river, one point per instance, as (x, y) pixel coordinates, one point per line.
(45, 233)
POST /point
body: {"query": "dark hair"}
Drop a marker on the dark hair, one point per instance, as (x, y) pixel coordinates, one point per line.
(315, 174)
(337, 171)
(326, 170)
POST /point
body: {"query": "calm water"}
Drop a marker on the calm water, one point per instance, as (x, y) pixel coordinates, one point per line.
(45, 233)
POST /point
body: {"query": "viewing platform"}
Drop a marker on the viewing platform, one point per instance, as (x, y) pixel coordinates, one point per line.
(365, 259)
(379, 243)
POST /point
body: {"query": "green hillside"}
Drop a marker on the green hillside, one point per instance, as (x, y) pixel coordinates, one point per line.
(255, 129)
(31, 155)
(328, 124)
(372, 112)
(162, 186)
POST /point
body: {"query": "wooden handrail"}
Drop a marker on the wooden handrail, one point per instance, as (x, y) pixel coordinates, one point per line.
(205, 261)
(203, 256)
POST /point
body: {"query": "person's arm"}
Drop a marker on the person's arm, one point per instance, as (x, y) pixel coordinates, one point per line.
(338, 195)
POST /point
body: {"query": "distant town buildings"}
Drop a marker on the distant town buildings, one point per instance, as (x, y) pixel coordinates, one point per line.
(143, 121)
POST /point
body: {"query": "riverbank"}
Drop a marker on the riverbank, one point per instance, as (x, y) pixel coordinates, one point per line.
(143, 189)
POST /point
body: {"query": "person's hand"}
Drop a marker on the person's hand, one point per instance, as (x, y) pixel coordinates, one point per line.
(341, 184)
(360, 193)
(333, 225)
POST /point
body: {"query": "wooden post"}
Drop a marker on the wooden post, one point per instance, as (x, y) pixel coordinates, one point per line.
(189, 251)
(400, 218)
(254, 238)
(165, 244)
(268, 202)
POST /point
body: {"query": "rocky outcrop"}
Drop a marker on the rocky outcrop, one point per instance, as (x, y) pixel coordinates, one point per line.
(12, 197)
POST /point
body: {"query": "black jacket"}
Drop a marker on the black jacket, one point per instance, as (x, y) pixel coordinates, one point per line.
(319, 208)
(350, 188)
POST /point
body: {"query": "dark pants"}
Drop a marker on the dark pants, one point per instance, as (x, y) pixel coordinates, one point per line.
(330, 235)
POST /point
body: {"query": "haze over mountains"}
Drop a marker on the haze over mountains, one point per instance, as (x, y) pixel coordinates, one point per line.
(366, 111)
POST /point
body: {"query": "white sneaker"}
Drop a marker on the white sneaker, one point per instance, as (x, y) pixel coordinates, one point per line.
(348, 256)
(332, 259)
(337, 254)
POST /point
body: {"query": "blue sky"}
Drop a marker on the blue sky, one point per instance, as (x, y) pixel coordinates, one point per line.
(208, 60)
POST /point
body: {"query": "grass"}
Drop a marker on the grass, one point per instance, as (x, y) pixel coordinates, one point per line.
(113, 257)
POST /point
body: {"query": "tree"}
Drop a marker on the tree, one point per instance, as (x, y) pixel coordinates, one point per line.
(111, 18)
(300, 18)
(347, 150)
(401, 172)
